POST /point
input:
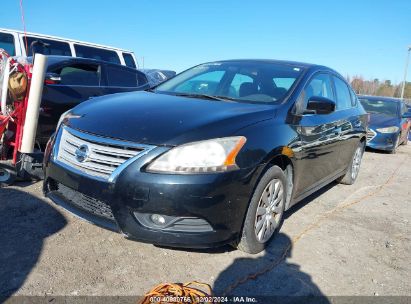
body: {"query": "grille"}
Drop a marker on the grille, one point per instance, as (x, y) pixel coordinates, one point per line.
(192, 225)
(86, 203)
(99, 158)
(370, 135)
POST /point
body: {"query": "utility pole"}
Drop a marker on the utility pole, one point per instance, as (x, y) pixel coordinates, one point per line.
(405, 72)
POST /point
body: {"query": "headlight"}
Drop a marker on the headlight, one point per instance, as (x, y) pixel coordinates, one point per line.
(66, 115)
(388, 130)
(62, 117)
(215, 155)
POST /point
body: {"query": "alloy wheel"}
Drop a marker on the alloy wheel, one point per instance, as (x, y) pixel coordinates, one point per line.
(356, 163)
(269, 210)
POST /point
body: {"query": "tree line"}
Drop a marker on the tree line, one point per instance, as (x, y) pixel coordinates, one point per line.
(378, 87)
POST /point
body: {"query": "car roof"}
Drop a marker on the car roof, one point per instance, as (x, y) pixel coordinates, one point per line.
(284, 62)
(45, 36)
(305, 66)
(384, 98)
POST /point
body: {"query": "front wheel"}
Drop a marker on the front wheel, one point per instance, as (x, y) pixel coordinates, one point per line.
(352, 173)
(265, 212)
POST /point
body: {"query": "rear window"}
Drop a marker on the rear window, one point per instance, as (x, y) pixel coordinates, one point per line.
(96, 53)
(7, 43)
(47, 47)
(123, 77)
(129, 60)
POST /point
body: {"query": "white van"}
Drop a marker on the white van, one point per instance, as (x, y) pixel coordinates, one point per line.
(14, 43)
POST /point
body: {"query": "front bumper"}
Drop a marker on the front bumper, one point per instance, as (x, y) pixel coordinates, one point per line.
(382, 141)
(220, 200)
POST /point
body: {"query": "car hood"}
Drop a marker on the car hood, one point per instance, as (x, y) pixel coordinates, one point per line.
(161, 119)
(382, 120)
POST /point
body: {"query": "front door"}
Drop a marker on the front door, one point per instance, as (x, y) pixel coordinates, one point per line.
(319, 137)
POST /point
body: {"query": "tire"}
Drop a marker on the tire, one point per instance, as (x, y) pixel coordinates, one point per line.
(405, 142)
(354, 168)
(7, 175)
(269, 198)
(396, 145)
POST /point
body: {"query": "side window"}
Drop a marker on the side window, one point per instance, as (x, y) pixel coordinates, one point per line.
(206, 83)
(343, 94)
(404, 109)
(236, 83)
(129, 60)
(96, 53)
(123, 77)
(79, 74)
(7, 43)
(47, 47)
(319, 85)
(354, 98)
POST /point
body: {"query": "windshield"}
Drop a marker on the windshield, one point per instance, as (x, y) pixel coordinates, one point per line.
(375, 106)
(261, 82)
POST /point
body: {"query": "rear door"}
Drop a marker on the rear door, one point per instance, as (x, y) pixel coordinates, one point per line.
(74, 83)
(123, 79)
(351, 124)
(318, 135)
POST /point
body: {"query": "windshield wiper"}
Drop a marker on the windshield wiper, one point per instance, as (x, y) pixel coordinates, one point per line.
(205, 96)
(226, 98)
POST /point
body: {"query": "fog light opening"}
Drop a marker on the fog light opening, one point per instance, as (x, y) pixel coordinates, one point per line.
(158, 219)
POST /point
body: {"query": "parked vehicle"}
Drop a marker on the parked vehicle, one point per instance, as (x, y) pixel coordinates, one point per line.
(389, 125)
(409, 110)
(155, 76)
(212, 156)
(15, 44)
(70, 81)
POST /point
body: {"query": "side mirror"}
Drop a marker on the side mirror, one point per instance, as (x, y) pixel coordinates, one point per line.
(320, 105)
(52, 78)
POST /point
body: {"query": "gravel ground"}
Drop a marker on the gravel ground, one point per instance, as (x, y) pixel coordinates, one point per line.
(345, 240)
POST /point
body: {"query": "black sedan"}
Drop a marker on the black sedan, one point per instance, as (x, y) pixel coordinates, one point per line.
(212, 156)
(389, 124)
